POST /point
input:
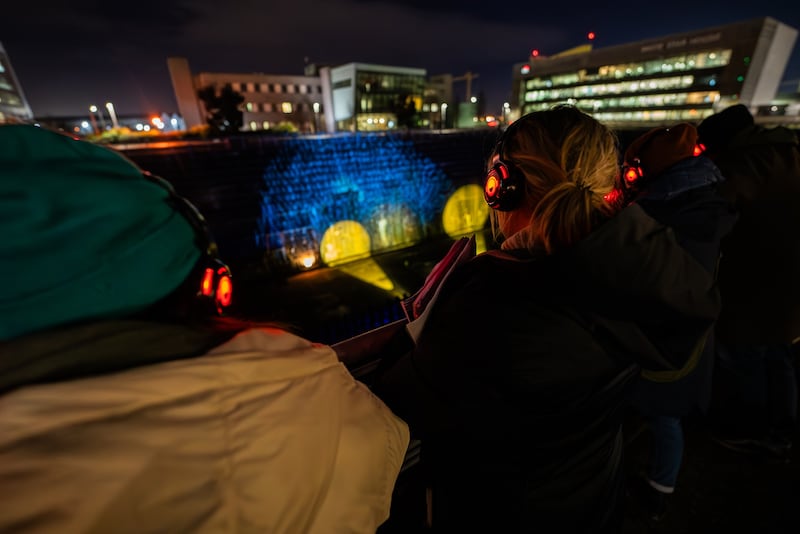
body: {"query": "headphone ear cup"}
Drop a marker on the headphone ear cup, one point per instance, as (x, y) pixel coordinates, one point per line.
(501, 188)
(224, 292)
(216, 285)
(214, 289)
(631, 174)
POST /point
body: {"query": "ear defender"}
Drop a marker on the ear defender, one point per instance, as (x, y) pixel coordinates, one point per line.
(216, 284)
(699, 148)
(501, 187)
(214, 289)
(632, 173)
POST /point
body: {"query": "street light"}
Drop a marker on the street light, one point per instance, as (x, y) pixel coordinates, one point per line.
(113, 114)
(316, 117)
(92, 110)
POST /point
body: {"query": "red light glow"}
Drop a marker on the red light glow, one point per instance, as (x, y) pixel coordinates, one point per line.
(225, 292)
(535, 52)
(492, 184)
(591, 36)
(613, 197)
(208, 280)
(699, 148)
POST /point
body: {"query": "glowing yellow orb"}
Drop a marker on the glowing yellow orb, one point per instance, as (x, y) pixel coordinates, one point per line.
(344, 241)
(465, 212)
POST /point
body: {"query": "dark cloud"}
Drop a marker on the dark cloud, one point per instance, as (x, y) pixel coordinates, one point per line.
(70, 54)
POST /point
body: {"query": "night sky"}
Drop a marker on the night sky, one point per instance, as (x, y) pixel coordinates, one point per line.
(68, 55)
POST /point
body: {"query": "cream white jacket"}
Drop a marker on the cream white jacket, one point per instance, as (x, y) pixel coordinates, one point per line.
(265, 433)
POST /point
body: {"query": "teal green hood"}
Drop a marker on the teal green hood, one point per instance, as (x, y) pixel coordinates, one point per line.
(83, 235)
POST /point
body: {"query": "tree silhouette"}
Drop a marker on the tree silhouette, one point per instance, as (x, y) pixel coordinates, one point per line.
(406, 111)
(223, 113)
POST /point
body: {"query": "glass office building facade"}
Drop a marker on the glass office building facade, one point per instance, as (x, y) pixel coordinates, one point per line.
(681, 77)
(13, 106)
(375, 97)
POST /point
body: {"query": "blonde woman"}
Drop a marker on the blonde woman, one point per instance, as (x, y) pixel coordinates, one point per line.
(516, 387)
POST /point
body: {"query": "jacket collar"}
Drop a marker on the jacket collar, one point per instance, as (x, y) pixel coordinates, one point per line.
(100, 347)
(691, 173)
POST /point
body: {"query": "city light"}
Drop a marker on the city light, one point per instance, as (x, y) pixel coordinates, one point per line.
(112, 114)
(92, 111)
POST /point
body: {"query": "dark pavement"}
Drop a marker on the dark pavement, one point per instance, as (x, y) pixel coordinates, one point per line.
(719, 490)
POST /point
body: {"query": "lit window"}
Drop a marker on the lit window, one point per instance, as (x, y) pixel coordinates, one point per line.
(265, 125)
(253, 125)
(286, 107)
(249, 106)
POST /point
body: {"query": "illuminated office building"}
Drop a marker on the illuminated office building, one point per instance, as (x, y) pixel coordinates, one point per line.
(680, 77)
(367, 97)
(270, 100)
(13, 106)
(438, 97)
(348, 97)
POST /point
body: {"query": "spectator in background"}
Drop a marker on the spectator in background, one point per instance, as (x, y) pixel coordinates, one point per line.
(517, 385)
(678, 190)
(759, 278)
(126, 405)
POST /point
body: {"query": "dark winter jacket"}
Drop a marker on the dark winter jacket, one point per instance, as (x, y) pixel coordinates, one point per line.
(516, 386)
(685, 198)
(759, 273)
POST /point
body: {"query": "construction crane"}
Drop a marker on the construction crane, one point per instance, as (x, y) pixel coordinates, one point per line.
(468, 77)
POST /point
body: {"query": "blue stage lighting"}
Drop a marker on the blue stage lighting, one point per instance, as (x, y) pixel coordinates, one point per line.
(313, 182)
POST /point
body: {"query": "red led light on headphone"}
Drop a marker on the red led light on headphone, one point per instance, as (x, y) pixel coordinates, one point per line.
(699, 148)
(492, 184)
(207, 285)
(218, 285)
(224, 291)
(498, 187)
(632, 174)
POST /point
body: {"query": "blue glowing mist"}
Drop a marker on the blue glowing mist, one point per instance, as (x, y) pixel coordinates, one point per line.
(379, 180)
